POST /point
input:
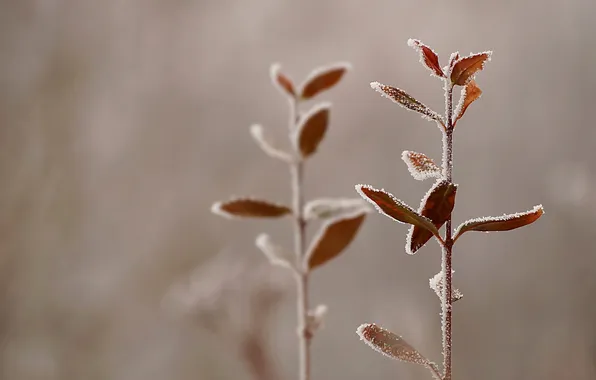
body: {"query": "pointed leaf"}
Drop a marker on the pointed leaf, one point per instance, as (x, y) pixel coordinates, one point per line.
(469, 94)
(436, 206)
(465, 68)
(311, 129)
(258, 133)
(323, 79)
(387, 204)
(326, 208)
(438, 282)
(390, 344)
(428, 57)
(273, 252)
(500, 223)
(333, 238)
(407, 101)
(252, 208)
(420, 166)
(281, 81)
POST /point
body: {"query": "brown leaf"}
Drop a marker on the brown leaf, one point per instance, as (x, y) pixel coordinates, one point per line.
(333, 238)
(249, 208)
(311, 130)
(323, 79)
(437, 206)
(420, 165)
(465, 68)
(390, 344)
(428, 57)
(469, 94)
(500, 223)
(397, 210)
(281, 81)
(407, 101)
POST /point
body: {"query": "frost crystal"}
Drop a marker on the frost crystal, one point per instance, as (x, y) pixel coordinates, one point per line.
(420, 166)
(407, 101)
(273, 252)
(326, 208)
(390, 344)
(258, 134)
(437, 284)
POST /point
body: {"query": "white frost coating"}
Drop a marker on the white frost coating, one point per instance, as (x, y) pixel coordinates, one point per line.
(379, 209)
(303, 120)
(258, 134)
(417, 45)
(502, 218)
(425, 167)
(273, 73)
(437, 282)
(316, 318)
(324, 70)
(274, 253)
(460, 104)
(217, 209)
(325, 208)
(452, 60)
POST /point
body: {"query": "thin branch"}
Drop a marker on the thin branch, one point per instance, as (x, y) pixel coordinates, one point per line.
(304, 334)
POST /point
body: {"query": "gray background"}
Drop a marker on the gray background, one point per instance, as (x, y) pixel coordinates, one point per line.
(122, 121)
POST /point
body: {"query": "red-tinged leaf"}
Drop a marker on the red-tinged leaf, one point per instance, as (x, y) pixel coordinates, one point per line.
(281, 81)
(390, 344)
(420, 166)
(469, 94)
(465, 68)
(428, 57)
(249, 208)
(323, 79)
(437, 206)
(397, 210)
(500, 223)
(407, 101)
(311, 130)
(333, 238)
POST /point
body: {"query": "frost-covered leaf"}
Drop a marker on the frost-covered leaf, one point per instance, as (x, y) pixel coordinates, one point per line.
(326, 208)
(437, 283)
(500, 223)
(316, 318)
(249, 208)
(437, 206)
(465, 68)
(334, 236)
(323, 79)
(428, 57)
(407, 101)
(387, 204)
(469, 94)
(420, 165)
(311, 129)
(273, 252)
(267, 145)
(390, 344)
(281, 81)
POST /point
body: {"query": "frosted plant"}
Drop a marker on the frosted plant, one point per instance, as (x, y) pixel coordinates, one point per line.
(438, 203)
(341, 217)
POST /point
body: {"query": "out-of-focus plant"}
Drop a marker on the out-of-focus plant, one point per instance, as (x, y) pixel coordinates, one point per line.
(438, 203)
(341, 218)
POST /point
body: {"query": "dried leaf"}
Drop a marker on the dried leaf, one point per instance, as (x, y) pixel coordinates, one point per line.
(273, 252)
(469, 94)
(438, 282)
(326, 208)
(281, 81)
(333, 238)
(387, 204)
(390, 344)
(311, 129)
(436, 206)
(323, 79)
(500, 223)
(407, 101)
(465, 68)
(420, 165)
(251, 208)
(428, 57)
(267, 146)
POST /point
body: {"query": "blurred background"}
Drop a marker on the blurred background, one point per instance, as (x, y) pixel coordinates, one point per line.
(123, 121)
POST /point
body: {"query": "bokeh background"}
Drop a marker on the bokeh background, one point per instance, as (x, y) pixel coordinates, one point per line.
(122, 121)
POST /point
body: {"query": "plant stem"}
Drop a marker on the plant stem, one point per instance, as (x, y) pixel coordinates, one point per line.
(446, 265)
(304, 333)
